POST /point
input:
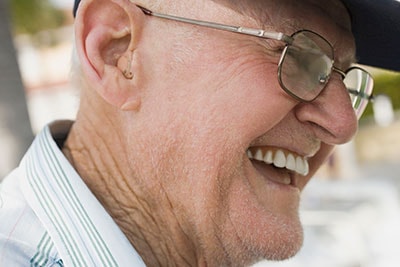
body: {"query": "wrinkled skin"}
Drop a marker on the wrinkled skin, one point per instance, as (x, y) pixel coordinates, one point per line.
(166, 151)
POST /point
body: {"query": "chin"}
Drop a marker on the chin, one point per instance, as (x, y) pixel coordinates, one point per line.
(275, 238)
(275, 249)
(286, 250)
(281, 245)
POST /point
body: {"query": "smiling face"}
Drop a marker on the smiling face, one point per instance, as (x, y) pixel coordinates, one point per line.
(229, 148)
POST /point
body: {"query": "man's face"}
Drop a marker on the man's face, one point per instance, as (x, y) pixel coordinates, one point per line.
(210, 100)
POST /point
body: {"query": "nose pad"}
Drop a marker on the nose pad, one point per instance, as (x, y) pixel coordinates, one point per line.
(323, 79)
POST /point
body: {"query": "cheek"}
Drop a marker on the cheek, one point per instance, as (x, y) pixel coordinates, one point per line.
(221, 83)
(241, 102)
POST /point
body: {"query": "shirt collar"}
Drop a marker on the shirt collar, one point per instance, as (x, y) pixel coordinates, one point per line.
(83, 232)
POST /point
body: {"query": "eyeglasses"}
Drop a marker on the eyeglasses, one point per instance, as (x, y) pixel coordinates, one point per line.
(306, 63)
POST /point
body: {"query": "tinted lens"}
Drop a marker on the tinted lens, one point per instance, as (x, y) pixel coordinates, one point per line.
(360, 84)
(306, 65)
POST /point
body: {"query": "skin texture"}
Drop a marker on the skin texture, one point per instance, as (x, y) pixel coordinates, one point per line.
(164, 150)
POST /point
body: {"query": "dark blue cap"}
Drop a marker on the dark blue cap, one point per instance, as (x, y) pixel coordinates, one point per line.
(376, 27)
(76, 6)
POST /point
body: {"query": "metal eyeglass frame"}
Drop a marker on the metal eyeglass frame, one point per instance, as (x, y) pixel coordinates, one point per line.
(279, 36)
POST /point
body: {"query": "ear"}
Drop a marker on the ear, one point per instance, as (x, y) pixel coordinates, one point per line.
(107, 33)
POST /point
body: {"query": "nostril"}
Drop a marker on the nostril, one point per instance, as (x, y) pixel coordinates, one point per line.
(333, 134)
(331, 115)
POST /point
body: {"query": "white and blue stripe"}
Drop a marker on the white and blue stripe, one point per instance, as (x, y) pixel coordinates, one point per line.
(75, 223)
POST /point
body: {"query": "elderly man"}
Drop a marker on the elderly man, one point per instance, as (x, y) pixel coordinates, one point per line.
(194, 139)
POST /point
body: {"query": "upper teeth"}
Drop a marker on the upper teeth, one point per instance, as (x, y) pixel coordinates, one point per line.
(281, 159)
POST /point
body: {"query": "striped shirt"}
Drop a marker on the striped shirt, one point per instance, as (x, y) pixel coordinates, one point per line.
(49, 217)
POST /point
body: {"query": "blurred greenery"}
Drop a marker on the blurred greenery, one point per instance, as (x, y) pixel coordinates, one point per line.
(33, 16)
(387, 83)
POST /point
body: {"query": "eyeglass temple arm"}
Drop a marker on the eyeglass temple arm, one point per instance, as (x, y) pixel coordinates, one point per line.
(361, 94)
(238, 29)
(352, 91)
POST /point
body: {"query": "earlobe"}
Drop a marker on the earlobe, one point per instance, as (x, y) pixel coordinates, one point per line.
(107, 35)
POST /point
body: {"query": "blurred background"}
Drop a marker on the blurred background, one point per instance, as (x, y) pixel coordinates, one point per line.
(350, 210)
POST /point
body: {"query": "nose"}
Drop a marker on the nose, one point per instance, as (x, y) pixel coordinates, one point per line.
(331, 115)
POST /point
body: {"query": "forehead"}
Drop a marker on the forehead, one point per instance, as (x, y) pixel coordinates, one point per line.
(329, 18)
(275, 9)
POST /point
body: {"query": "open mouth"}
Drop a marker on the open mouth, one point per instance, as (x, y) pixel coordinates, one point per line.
(280, 158)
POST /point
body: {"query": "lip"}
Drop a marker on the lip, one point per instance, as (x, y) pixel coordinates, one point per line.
(267, 186)
(274, 175)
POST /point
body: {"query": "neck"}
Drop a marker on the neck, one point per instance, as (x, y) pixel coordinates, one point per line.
(148, 222)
